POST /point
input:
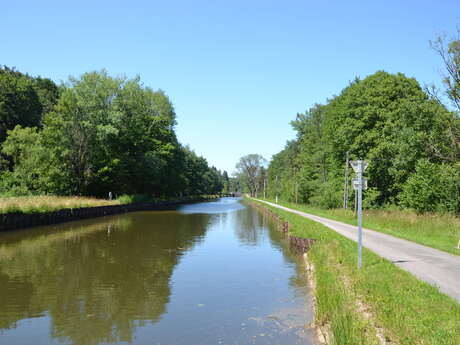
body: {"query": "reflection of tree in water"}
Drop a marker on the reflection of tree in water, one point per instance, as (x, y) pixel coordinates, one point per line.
(281, 241)
(99, 280)
(249, 226)
(254, 225)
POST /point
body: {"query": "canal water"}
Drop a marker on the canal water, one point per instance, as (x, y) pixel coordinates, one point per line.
(208, 273)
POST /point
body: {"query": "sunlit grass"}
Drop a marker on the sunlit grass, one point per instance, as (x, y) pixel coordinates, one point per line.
(408, 310)
(440, 231)
(45, 203)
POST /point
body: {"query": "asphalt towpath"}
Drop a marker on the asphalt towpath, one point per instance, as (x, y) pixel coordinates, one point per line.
(433, 266)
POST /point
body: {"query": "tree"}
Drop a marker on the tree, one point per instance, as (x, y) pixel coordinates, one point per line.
(19, 102)
(249, 169)
(385, 118)
(433, 187)
(449, 51)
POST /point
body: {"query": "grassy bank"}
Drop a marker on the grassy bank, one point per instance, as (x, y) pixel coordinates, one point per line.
(45, 203)
(354, 304)
(440, 231)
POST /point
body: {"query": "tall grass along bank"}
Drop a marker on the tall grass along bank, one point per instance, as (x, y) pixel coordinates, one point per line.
(48, 203)
(377, 304)
(439, 231)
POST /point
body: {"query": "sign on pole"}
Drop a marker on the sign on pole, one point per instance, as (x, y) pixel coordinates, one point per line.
(354, 165)
(355, 182)
(360, 183)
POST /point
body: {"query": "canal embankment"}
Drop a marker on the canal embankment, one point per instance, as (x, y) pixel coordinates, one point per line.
(379, 304)
(20, 219)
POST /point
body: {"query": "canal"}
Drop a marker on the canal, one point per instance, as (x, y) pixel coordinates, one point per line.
(208, 273)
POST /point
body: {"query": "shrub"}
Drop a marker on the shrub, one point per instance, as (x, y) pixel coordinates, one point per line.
(433, 187)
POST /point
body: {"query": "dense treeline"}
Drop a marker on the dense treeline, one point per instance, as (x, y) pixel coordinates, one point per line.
(94, 135)
(411, 140)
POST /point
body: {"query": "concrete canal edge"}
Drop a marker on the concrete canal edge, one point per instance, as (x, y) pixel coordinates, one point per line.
(324, 332)
(302, 245)
(12, 221)
(298, 243)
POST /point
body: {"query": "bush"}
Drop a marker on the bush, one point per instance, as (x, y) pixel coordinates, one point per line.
(135, 199)
(433, 187)
(328, 195)
(371, 198)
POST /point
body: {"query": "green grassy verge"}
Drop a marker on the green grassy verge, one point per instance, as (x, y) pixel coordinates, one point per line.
(433, 230)
(47, 203)
(409, 311)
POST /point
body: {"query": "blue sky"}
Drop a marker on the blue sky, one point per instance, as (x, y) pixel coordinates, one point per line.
(236, 71)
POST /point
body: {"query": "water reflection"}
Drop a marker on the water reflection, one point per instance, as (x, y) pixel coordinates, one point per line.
(96, 280)
(222, 205)
(207, 273)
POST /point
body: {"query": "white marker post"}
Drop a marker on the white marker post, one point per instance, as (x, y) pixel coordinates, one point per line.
(358, 184)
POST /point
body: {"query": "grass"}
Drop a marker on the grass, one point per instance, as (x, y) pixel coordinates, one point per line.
(45, 203)
(440, 231)
(408, 310)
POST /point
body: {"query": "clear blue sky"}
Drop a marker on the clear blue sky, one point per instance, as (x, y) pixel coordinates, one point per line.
(236, 71)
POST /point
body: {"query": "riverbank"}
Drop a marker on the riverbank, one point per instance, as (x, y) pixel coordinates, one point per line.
(439, 231)
(37, 211)
(49, 203)
(380, 304)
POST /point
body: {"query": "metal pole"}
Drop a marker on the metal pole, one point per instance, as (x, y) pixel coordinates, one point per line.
(345, 195)
(356, 202)
(265, 183)
(359, 174)
(296, 191)
(276, 198)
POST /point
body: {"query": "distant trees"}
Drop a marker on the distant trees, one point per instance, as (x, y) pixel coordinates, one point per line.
(250, 169)
(101, 134)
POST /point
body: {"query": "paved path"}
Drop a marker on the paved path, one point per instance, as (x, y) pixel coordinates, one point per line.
(433, 266)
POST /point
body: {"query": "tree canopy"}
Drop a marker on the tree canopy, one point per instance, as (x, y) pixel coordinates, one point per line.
(387, 119)
(101, 134)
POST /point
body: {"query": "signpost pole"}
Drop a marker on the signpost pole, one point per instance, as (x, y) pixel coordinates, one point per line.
(359, 175)
(276, 197)
(359, 184)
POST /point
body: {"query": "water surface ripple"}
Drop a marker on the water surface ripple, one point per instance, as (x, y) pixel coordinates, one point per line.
(208, 273)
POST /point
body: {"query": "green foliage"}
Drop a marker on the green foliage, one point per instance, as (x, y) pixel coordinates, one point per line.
(371, 197)
(406, 309)
(328, 195)
(386, 119)
(251, 172)
(101, 135)
(19, 102)
(433, 187)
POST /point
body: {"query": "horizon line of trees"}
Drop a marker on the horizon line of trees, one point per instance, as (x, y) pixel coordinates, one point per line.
(93, 135)
(409, 137)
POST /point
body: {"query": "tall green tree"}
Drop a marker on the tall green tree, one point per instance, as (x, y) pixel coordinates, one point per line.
(105, 134)
(19, 102)
(249, 169)
(385, 118)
